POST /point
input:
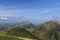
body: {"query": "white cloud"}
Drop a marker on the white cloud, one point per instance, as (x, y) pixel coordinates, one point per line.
(9, 17)
(46, 11)
(3, 18)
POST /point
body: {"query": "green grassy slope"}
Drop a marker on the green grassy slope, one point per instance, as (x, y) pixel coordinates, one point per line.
(43, 31)
(8, 38)
(20, 33)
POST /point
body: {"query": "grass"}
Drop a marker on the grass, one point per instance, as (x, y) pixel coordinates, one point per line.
(8, 38)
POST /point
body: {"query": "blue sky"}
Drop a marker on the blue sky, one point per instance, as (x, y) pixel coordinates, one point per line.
(34, 10)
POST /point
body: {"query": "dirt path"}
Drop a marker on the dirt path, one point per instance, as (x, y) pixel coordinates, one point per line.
(19, 37)
(26, 38)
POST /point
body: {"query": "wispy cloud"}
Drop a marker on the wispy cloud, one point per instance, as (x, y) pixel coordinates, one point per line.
(16, 10)
(46, 11)
(3, 18)
(10, 10)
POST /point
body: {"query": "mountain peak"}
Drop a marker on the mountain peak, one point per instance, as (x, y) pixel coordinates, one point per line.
(26, 22)
(51, 24)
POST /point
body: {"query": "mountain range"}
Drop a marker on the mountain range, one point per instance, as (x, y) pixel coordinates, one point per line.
(29, 30)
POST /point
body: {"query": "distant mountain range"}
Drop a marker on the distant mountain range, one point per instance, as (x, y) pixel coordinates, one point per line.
(24, 24)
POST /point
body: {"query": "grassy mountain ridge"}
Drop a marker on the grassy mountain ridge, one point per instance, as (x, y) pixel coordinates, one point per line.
(43, 30)
(19, 32)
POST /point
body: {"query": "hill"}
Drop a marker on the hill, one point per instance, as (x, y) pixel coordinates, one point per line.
(43, 30)
(20, 33)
